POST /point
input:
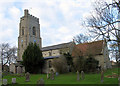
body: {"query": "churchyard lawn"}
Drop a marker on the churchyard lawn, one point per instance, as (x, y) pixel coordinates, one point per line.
(70, 78)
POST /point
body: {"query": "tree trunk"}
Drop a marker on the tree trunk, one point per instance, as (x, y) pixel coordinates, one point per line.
(118, 59)
(118, 62)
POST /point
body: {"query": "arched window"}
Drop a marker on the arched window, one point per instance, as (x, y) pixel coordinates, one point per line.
(22, 45)
(34, 31)
(22, 31)
(50, 54)
(50, 64)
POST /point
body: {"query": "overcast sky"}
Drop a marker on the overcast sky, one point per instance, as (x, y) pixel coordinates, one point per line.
(60, 20)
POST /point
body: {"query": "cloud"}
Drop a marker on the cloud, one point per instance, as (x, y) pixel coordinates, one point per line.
(63, 30)
(14, 12)
(9, 17)
(59, 19)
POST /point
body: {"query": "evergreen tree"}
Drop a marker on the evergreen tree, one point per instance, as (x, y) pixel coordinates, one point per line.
(69, 59)
(32, 59)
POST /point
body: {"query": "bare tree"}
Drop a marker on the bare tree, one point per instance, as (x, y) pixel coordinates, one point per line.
(104, 22)
(8, 54)
(78, 59)
(113, 49)
(81, 38)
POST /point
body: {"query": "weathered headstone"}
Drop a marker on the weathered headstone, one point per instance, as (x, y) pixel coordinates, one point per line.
(82, 75)
(47, 75)
(78, 76)
(0, 78)
(23, 69)
(19, 70)
(27, 77)
(13, 80)
(119, 81)
(40, 82)
(52, 75)
(4, 81)
(102, 76)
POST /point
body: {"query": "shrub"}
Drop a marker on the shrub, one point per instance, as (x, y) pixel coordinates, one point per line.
(60, 65)
(91, 64)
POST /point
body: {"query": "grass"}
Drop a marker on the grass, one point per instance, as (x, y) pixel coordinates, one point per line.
(70, 78)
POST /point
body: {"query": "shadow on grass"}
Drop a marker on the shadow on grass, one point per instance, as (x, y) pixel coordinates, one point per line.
(61, 85)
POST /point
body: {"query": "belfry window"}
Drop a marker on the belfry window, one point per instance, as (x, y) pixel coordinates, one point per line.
(34, 31)
(22, 31)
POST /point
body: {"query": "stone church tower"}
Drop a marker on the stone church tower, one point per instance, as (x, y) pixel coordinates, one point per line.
(29, 31)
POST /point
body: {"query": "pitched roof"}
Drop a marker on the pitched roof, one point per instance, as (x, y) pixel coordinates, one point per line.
(92, 48)
(53, 47)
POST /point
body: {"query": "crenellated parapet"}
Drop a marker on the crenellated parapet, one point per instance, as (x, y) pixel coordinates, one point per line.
(26, 14)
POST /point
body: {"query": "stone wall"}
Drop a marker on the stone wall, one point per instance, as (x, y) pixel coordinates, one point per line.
(53, 53)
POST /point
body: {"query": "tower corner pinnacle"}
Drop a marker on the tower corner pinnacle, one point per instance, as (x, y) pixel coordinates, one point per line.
(26, 12)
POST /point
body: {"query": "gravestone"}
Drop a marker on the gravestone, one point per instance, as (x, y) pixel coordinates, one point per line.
(0, 78)
(119, 80)
(4, 81)
(13, 80)
(40, 82)
(19, 70)
(52, 75)
(78, 76)
(27, 77)
(48, 76)
(23, 69)
(82, 75)
(102, 76)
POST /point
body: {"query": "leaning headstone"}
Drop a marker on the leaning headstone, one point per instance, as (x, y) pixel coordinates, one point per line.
(19, 70)
(4, 81)
(82, 75)
(23, 69)
(40, 82)
(27, 77)
(13, 80)
(78, 76)
(102, 76)
(52, 75)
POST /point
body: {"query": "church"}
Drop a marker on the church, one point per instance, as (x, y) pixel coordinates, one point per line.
(29, 31)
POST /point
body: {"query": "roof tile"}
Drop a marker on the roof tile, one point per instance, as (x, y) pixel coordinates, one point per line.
(92, 48)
